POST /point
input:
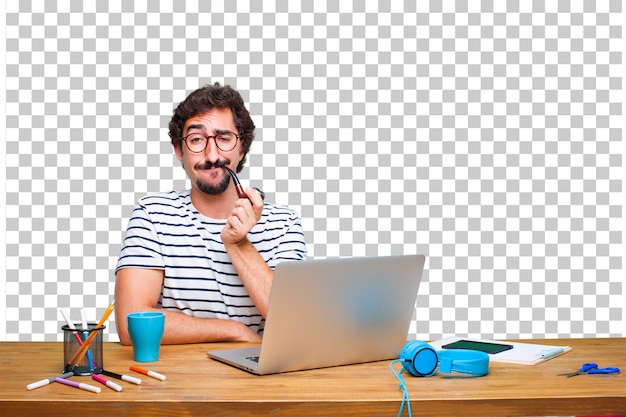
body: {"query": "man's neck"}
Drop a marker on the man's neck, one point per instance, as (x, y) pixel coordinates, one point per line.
(218, 206)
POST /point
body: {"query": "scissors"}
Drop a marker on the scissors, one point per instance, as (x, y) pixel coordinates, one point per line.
(591, 368)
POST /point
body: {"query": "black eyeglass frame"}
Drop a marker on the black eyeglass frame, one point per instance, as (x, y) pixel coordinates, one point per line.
(237, 137)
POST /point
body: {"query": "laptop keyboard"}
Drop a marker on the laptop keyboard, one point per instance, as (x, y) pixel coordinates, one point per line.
(253, 358)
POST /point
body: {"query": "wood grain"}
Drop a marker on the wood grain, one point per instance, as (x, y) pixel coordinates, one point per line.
(198, 386)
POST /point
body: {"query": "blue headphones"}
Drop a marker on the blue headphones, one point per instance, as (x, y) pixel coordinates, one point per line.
(421, 359)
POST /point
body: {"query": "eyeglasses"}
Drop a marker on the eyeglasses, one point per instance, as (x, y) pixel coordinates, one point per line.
(197, 142)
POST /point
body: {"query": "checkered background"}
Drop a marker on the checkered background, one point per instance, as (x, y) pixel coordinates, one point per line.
(484, 134)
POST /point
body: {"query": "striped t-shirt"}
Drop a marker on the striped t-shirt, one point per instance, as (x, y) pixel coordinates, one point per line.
(166, 232)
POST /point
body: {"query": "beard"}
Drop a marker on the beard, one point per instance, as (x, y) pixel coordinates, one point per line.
(209, 188)
(213, 189)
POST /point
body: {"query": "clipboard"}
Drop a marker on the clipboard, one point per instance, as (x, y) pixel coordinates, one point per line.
(519, 354)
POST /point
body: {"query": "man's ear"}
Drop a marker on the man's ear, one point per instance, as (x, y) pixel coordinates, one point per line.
(178, 150)
(241, 162)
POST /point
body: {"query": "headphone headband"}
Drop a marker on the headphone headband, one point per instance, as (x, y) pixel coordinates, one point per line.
(421, 359)
(464, 361)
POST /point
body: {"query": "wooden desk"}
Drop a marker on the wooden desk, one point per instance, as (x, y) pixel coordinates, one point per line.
(197, 386)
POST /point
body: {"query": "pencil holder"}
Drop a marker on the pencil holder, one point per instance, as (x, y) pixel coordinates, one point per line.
(91, 361)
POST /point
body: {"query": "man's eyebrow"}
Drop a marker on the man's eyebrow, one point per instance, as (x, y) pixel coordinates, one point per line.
(201, 127)
(191, 127)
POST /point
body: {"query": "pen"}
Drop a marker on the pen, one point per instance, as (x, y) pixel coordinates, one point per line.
(79, 385)
(70, 324)
(126, 378)
(147, 372)
(46, 381)
(106, 382)
(550, 353)
(80, 353)
(85, 325)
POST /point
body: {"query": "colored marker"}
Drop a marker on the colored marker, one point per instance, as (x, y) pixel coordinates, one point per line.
(70, 324)
(147, 372)
(46, 381)
(79, 385)
(82, 351)
(85, 325)
(550, 353)
(106, 382)
(126, 378)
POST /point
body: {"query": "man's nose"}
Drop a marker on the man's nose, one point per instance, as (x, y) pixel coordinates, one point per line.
(211, 152)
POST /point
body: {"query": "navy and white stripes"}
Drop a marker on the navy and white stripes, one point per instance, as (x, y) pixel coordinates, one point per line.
(166, 232)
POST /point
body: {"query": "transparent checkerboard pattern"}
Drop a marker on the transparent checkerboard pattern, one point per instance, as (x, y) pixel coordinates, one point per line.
(485, 135)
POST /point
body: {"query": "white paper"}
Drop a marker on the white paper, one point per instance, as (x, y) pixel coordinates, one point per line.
(522, 353)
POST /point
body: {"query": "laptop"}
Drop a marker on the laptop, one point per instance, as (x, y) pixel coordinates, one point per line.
(331, 312)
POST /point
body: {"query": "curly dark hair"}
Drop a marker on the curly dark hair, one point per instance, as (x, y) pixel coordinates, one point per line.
(207, 98)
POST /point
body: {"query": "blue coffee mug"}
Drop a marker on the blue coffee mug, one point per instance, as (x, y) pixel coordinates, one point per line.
(146, 330)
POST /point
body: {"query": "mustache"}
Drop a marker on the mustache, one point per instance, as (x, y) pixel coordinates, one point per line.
(209, 164)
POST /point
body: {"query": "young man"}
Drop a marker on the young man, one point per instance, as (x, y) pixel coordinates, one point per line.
(205, 257)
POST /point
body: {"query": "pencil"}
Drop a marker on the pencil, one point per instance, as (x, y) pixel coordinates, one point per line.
(82, 351)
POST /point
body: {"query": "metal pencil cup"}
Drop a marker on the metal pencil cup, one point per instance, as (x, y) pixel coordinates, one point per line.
(92, 361)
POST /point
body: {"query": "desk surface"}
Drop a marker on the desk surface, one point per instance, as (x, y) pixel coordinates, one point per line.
(197, 385)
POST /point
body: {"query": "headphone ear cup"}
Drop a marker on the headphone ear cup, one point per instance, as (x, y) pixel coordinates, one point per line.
(419, 358)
